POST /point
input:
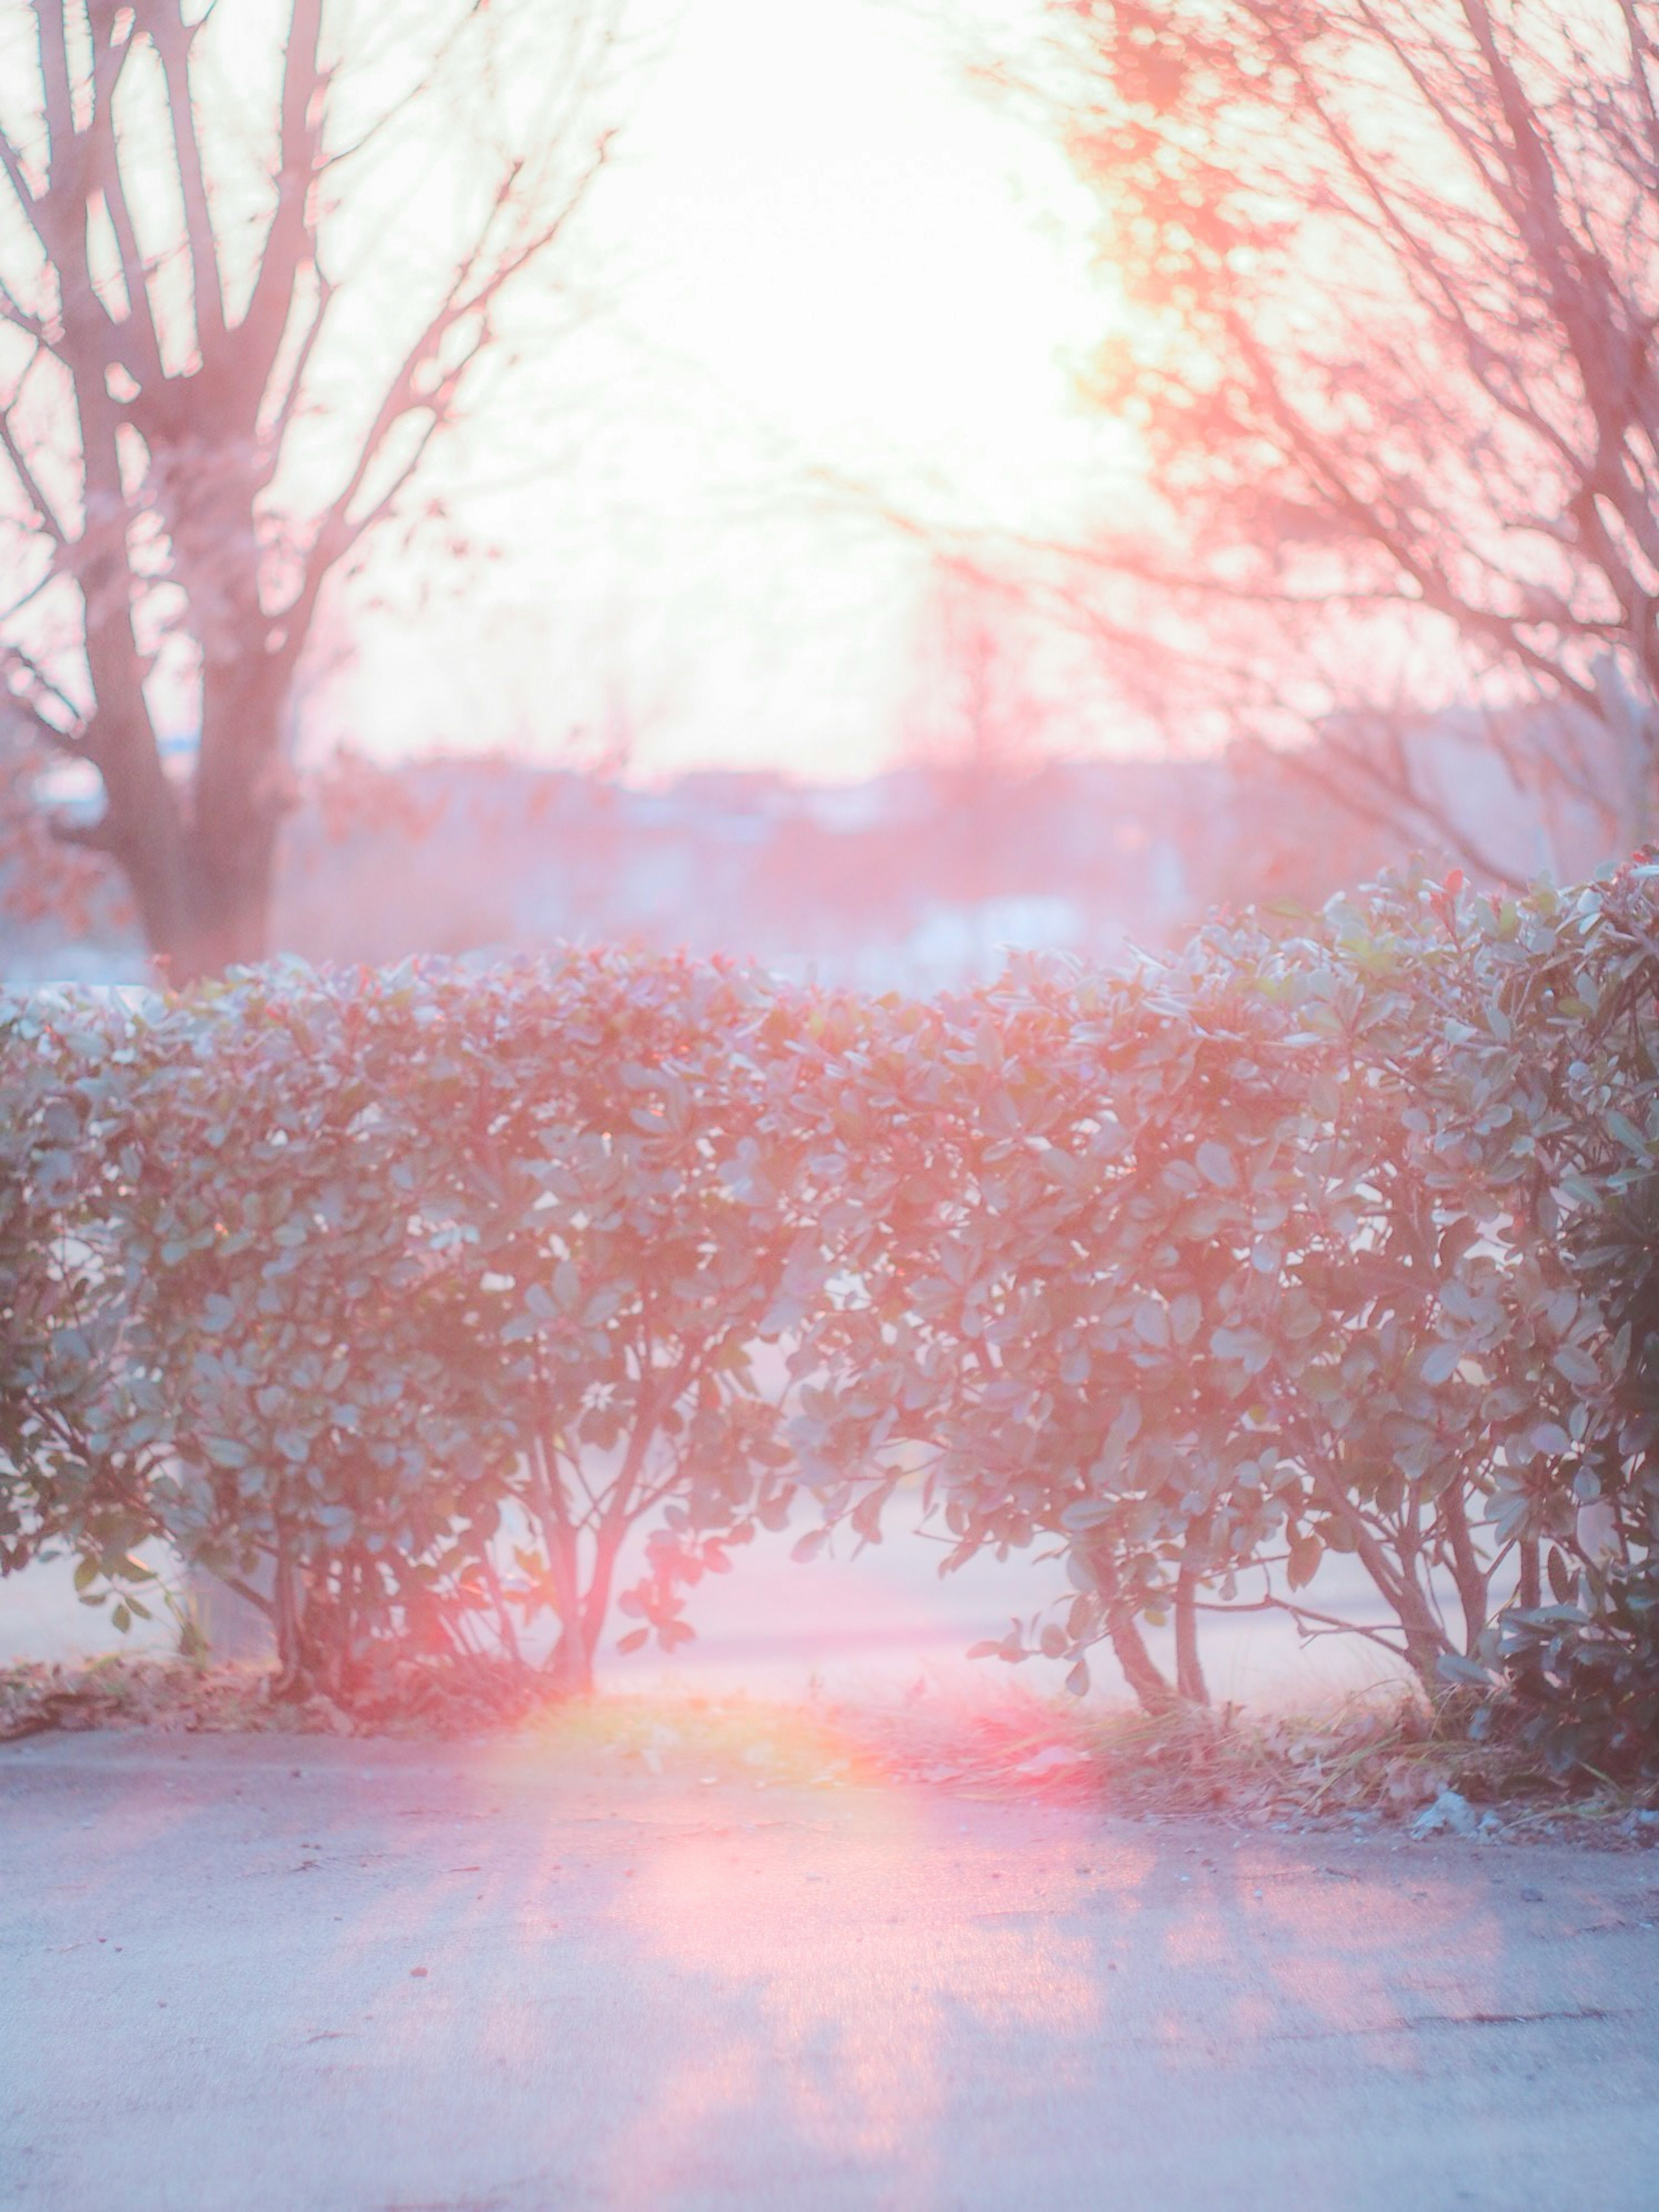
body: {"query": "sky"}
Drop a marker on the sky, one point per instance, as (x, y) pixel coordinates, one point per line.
(822, 266)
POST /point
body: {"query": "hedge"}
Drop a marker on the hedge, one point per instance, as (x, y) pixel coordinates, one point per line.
(401, 1299)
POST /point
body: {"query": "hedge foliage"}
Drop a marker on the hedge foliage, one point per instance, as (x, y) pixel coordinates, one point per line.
(427, 1289)
(402, 1299)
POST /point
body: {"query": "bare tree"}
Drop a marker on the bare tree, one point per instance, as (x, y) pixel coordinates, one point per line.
(1389, 283)
(978, 717)
(247, 276)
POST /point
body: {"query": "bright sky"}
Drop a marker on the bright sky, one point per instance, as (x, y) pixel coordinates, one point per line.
(821, 251)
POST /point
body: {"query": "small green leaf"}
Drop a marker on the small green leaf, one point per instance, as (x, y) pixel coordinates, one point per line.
(1439, 1363)
(1306, 1554)
(1466, 1674)
(1215, 1165)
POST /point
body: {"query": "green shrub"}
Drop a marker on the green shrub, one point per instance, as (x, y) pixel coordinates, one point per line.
(584, 1138)
(82, 1435)
(1203, 1272)
(1326, 1235)
(1584, 1678)
(331, 1454)
(411, 1263)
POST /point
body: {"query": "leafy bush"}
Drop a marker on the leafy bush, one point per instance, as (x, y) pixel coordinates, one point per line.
(584, 1140)
(1329, 1235)
(81, 1435)
(331, 1455)
(1585, 1677)
(1584, 1670)
(1205, 1271)
(396, 1266)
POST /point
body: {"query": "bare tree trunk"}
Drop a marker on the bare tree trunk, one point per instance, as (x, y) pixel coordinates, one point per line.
(204, 904)
(1425, 1640)
(597, 1603)
(570, 1669)
(186, 392)
(1530, 1593)
(238, 801)
(1473, 1592)
(1152, 1691)
(201, 865)
(228, 884)
(291, 1676)
(503, 1618)
(1189, 1673)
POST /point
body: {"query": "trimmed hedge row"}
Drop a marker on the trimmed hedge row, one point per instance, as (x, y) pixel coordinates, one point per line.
(401, 1299)
(350, 1274)
(1330, 1240)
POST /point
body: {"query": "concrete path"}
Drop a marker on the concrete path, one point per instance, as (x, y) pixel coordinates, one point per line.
(295, 1975)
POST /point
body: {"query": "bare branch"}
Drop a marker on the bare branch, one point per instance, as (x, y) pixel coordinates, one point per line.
(11, 162)
(210, 435)
(1324, 1623)
(172, 40)
(141, 351)
(289, 404)
(1464, 425)
(289, 244)
(13, 311)
(476, 285)
(27, 479)
(55, 88)
(1396, 795)
(396, 109)
(27, 597)
(25, 698)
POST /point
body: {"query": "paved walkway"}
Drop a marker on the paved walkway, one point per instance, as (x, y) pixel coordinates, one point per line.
(294, 1975)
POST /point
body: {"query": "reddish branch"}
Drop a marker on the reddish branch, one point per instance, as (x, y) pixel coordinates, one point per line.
(1395, 277)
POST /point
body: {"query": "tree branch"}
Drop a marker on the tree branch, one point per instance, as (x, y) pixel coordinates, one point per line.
(11, 162)
(27, 479)
(289, 242)
(141, 350)
(41, 685)
(475, 286)
(172, 40)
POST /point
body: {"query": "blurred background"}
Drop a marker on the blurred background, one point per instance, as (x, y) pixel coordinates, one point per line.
(769, 565)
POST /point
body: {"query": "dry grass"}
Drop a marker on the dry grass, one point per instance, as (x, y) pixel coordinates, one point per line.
(1375, 1760)
(408, 1698)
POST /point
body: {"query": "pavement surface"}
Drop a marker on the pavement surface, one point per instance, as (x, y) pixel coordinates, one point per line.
(307, 1972)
